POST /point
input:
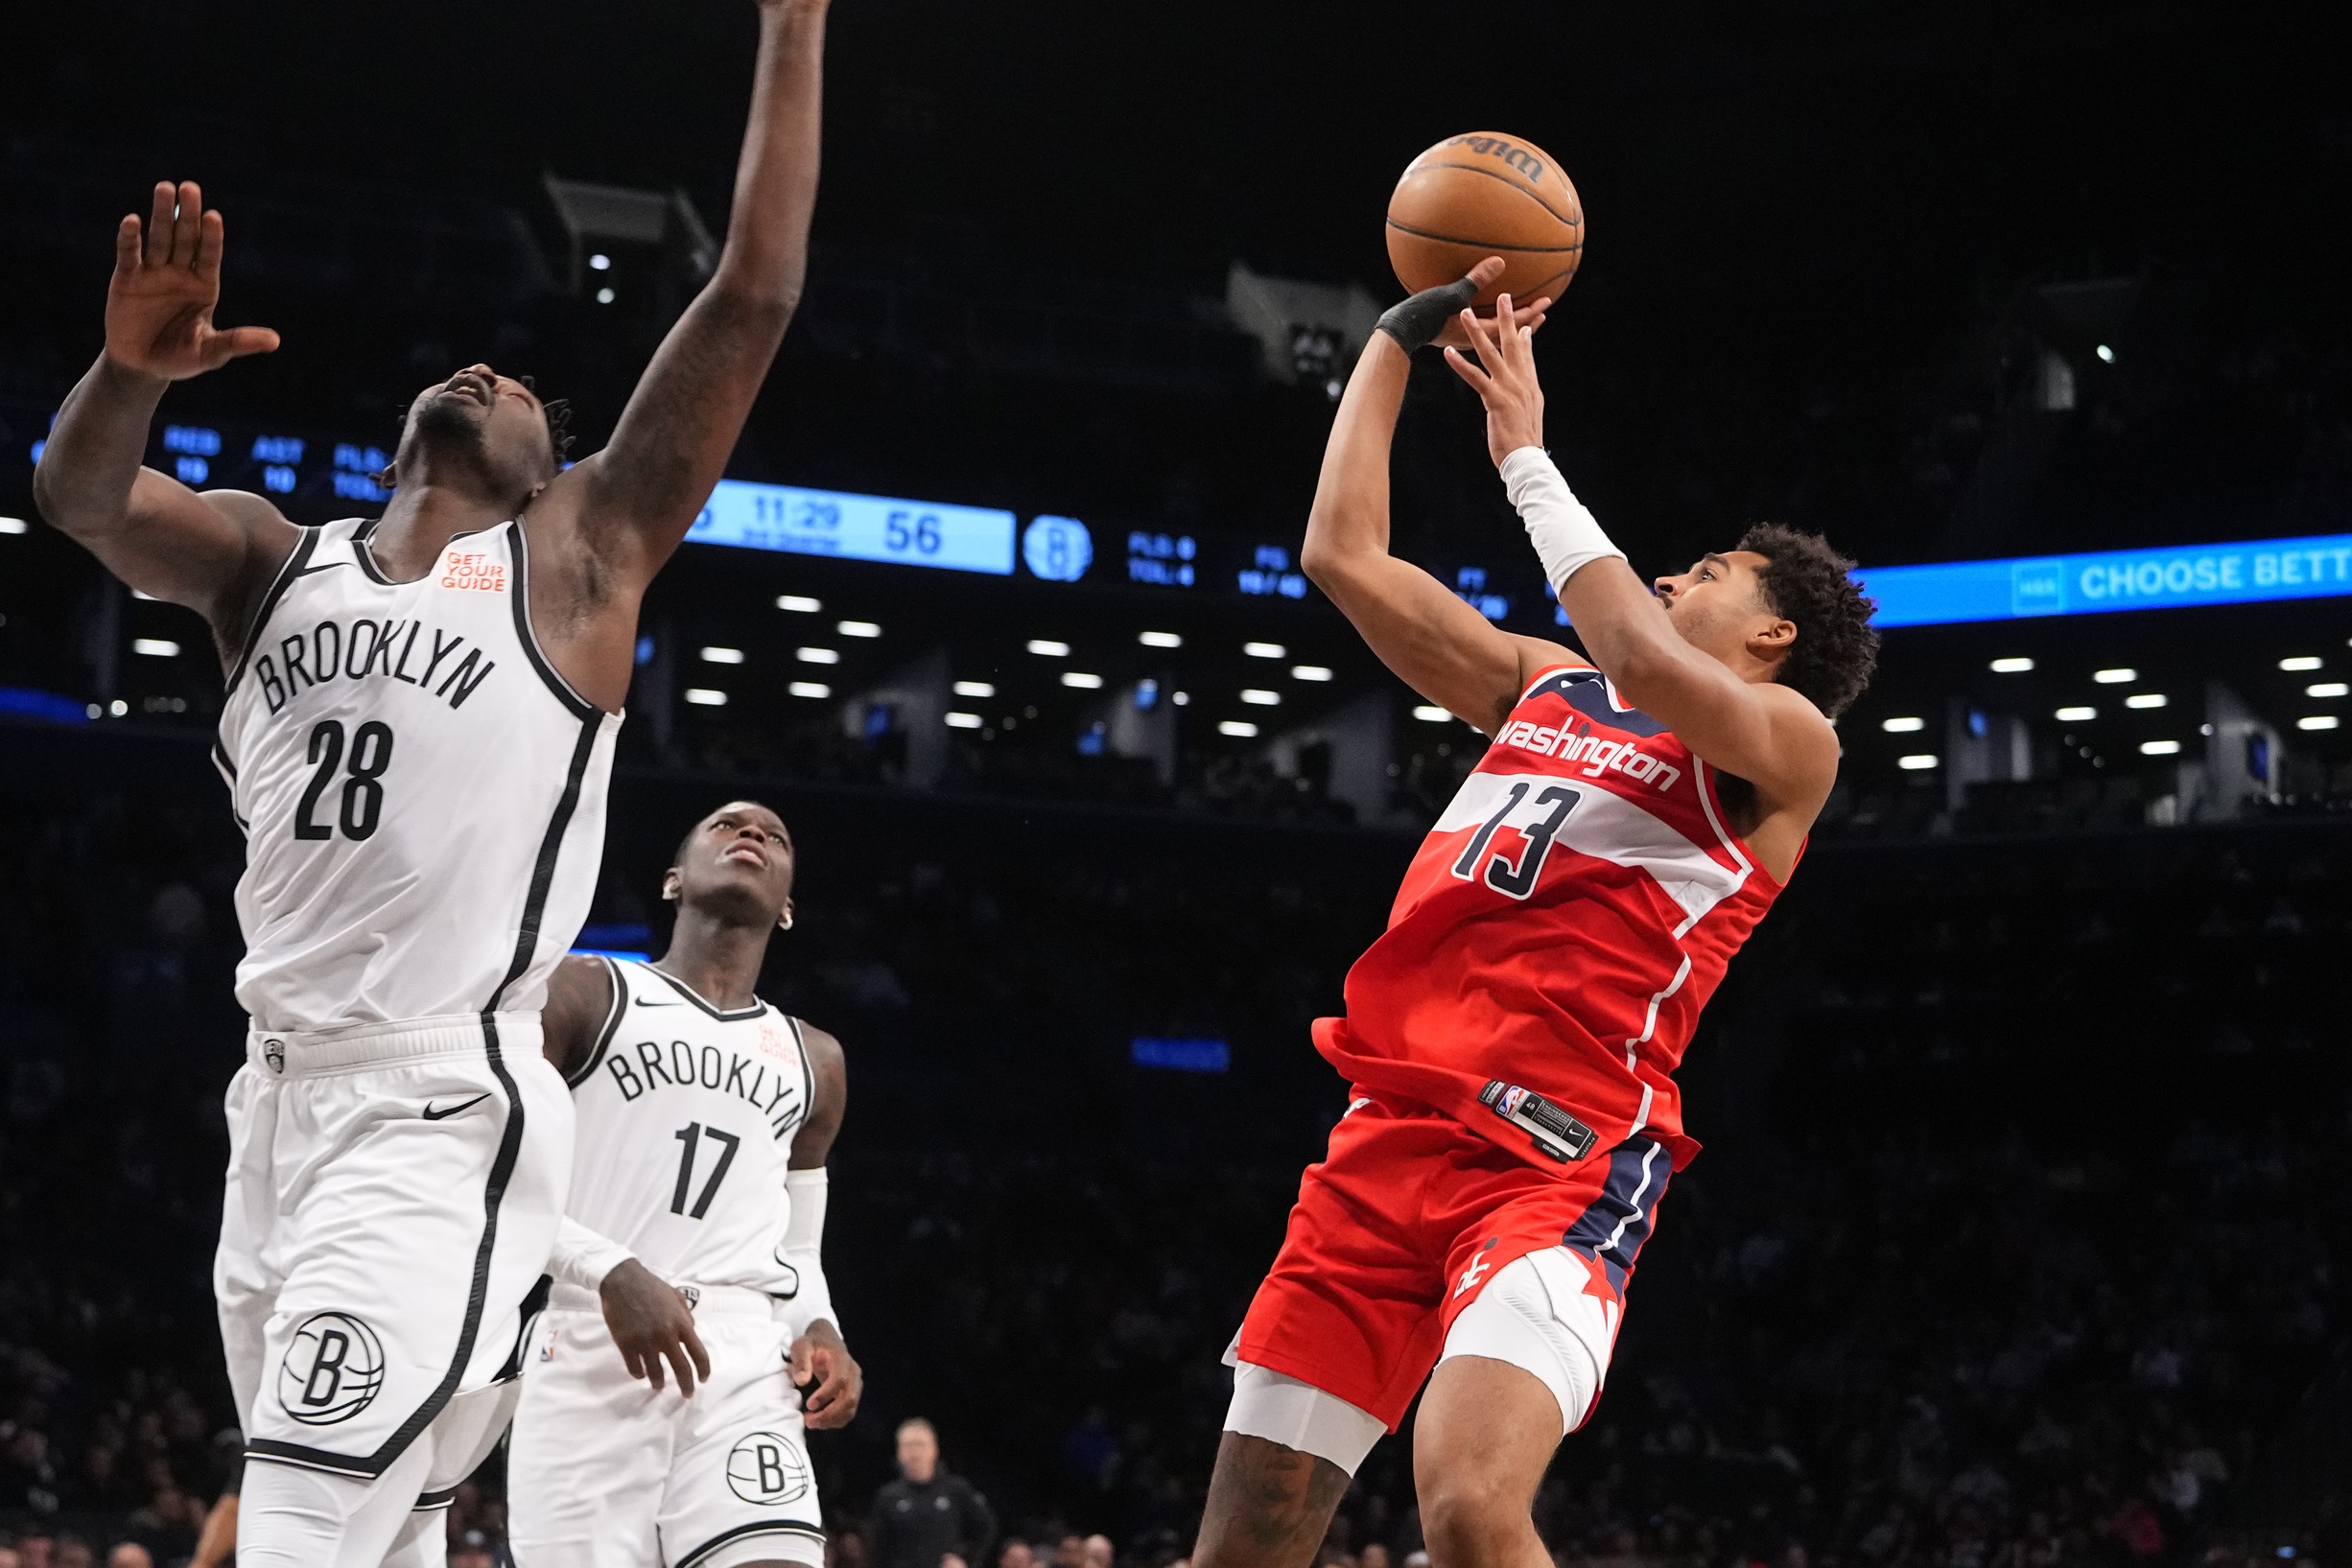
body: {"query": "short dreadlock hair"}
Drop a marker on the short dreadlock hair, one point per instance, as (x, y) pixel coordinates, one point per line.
(559, 413)
(1836, 650)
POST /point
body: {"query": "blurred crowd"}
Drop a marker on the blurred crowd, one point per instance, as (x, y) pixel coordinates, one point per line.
(2017, 1243)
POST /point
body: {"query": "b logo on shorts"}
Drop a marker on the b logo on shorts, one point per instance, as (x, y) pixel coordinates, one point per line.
(766, 1467)
(333, 1369)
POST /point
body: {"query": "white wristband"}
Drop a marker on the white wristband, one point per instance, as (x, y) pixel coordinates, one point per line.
(1567, 537)
(584, 1257)
(803, 1250)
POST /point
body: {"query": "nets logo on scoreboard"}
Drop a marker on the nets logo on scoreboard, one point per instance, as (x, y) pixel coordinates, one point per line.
(1057, 548)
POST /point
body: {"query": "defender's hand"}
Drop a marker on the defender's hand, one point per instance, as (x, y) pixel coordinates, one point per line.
(1505, 375)
(650, 1321)
(820, 1355)
(167, 280)
(1454, 334)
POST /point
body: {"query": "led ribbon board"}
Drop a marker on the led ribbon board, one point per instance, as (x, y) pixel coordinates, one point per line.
(856, 528)
(1955, 592)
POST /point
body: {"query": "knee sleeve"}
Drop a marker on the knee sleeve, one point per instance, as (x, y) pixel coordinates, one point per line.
(1536, 1314)
(1282, 1409)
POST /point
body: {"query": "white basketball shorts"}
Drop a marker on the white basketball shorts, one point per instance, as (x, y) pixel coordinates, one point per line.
(393, 1193)
(604, 1472)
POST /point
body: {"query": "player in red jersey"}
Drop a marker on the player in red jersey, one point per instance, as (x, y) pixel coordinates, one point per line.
(1512, 1037)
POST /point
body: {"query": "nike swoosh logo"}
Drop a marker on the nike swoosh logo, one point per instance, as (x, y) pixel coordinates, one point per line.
(323, 566)
(436, 1113)
(649, 1001)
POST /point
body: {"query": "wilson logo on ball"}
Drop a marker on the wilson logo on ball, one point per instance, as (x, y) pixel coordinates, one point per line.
(333, 1369)
(1518, 157)
(767, 1467)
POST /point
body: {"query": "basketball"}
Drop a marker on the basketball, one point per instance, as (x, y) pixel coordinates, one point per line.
(1482, 195)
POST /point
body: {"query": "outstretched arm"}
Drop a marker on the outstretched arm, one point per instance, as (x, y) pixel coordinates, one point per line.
(643, 490)
(1436, 643)
(213, 553)
(1765, 733)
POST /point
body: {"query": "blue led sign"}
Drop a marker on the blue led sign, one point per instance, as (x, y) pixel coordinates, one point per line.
(1164, 560)
(1180, 1055)
(2099, 584)
(856, 528)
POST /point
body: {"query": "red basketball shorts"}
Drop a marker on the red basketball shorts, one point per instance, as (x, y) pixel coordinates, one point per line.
(1401, 1225)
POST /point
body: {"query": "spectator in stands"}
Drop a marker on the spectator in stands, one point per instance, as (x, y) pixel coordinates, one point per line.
(929, 1518)
(130, 1554)
(1015, 1552)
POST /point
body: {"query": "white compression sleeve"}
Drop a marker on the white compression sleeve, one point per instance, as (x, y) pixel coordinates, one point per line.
(804, 1243)
(1566, 536)
(584, 1257)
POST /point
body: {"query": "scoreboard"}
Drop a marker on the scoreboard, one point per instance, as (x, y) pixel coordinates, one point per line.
(317, 476)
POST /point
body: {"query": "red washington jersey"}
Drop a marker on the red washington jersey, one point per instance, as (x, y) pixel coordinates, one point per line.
(1558, 933)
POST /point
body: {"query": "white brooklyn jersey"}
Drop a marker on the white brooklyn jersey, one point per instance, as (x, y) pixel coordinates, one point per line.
(422, 794)
(686, 1114)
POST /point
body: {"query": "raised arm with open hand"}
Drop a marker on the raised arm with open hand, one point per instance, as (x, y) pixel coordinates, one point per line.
(166, 285)
(212, 552)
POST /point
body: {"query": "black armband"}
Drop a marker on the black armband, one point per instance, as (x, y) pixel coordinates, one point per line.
(1416, 321)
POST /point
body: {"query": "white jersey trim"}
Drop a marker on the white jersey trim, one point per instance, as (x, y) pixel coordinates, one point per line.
(1707, 803)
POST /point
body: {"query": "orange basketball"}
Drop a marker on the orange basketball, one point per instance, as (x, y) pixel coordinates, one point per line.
(1486, 195)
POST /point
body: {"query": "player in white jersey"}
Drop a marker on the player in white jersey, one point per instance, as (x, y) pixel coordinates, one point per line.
(417, 728)
(693, 1234)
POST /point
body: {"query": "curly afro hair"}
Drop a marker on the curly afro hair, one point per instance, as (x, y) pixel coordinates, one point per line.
(1836, 650)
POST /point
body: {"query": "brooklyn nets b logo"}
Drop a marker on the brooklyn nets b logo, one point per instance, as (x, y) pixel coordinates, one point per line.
(332, 1371)
(766, 1467)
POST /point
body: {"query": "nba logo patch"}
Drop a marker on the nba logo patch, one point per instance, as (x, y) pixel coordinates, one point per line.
(273, 1052)
(333, 1369)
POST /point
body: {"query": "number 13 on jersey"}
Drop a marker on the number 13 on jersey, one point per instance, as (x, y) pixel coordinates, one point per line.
(1537, 827)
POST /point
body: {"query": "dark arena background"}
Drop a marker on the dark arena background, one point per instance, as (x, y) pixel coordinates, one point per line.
(2020, 1237)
